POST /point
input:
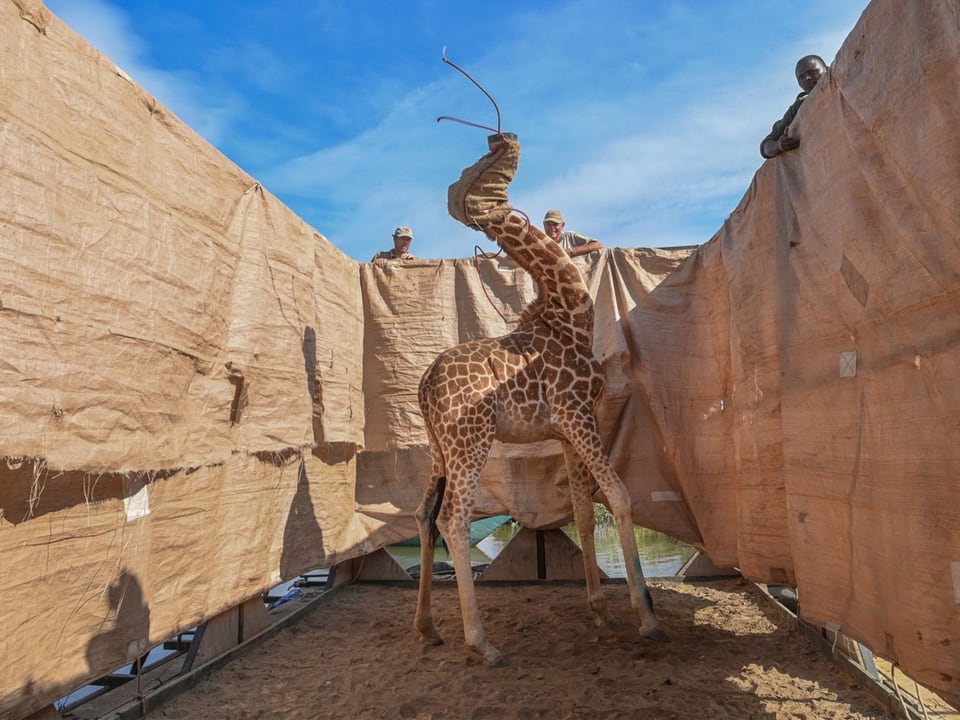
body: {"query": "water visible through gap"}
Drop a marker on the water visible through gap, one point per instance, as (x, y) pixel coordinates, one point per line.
(660, 555)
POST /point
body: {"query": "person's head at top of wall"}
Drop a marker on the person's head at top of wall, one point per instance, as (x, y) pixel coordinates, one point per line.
(553, 224)
(402, 239)
(574, 244)
(808, 71)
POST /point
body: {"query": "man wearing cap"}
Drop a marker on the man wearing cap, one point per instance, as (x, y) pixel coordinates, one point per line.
(402, 237)
(574, 243)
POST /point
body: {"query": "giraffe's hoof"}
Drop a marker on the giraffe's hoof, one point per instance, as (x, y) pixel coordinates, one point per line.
(431, 639)
(604, 620)
(495, 660)
(654, 633)
(490, 656)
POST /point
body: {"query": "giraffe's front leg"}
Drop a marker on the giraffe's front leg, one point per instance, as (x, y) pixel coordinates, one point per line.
(455, 526)
(595, 597)
(640, 598)
(582, 433)
(454, 522)
(582, 498)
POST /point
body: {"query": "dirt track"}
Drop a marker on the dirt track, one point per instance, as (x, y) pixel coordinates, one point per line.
(357, 656)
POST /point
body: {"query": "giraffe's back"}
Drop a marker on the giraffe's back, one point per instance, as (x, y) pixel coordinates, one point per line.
(511, 386)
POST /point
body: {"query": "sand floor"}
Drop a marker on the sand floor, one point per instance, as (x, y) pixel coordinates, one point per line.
(356, 655)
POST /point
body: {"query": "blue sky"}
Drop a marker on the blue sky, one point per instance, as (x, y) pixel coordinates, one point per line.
(640, 120)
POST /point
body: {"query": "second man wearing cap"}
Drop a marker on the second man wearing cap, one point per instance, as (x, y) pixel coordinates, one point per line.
(574, 243)
(402, 238)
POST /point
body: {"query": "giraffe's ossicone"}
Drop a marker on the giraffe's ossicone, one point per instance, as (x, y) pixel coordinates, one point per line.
(539, 382)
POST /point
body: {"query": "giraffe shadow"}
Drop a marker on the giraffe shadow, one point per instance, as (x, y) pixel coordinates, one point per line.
(302, 535)
(303, 548)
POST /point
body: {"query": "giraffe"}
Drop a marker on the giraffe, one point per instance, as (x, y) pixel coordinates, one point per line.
(537, 382)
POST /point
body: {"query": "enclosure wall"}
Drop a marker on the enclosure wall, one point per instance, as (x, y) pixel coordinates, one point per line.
(201, 396)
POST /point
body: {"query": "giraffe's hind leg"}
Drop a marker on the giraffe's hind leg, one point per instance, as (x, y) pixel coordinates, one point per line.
(582, 496)
(426, 522)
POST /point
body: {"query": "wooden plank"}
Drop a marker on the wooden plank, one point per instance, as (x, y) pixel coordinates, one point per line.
(378, 565)
(231, 628)
(700, 565)
(554, 556)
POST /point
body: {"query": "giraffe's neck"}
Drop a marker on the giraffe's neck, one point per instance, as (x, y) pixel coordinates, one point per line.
(563, 299)
(479, 200)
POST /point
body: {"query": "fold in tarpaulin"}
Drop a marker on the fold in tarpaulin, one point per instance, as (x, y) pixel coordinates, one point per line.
(200, 396)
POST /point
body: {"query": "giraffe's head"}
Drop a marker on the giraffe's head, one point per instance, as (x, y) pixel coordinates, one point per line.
(479, 198)
(494, 141)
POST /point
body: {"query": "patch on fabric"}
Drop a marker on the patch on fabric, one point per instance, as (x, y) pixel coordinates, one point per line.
(848, 364)
(137, 505)
(856, 283)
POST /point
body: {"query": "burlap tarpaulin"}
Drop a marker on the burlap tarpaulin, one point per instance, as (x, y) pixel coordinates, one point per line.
(200, 395)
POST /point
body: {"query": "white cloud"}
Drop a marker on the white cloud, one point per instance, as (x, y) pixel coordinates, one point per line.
(109, 30)
(104, 27)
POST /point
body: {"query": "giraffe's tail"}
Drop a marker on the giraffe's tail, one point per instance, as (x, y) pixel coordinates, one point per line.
(436, 503)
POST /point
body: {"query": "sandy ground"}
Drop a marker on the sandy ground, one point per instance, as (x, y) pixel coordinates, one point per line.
(356, 656)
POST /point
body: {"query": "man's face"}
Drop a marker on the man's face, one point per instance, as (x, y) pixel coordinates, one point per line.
(401, 244)
(809, 73)
(553, 229)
